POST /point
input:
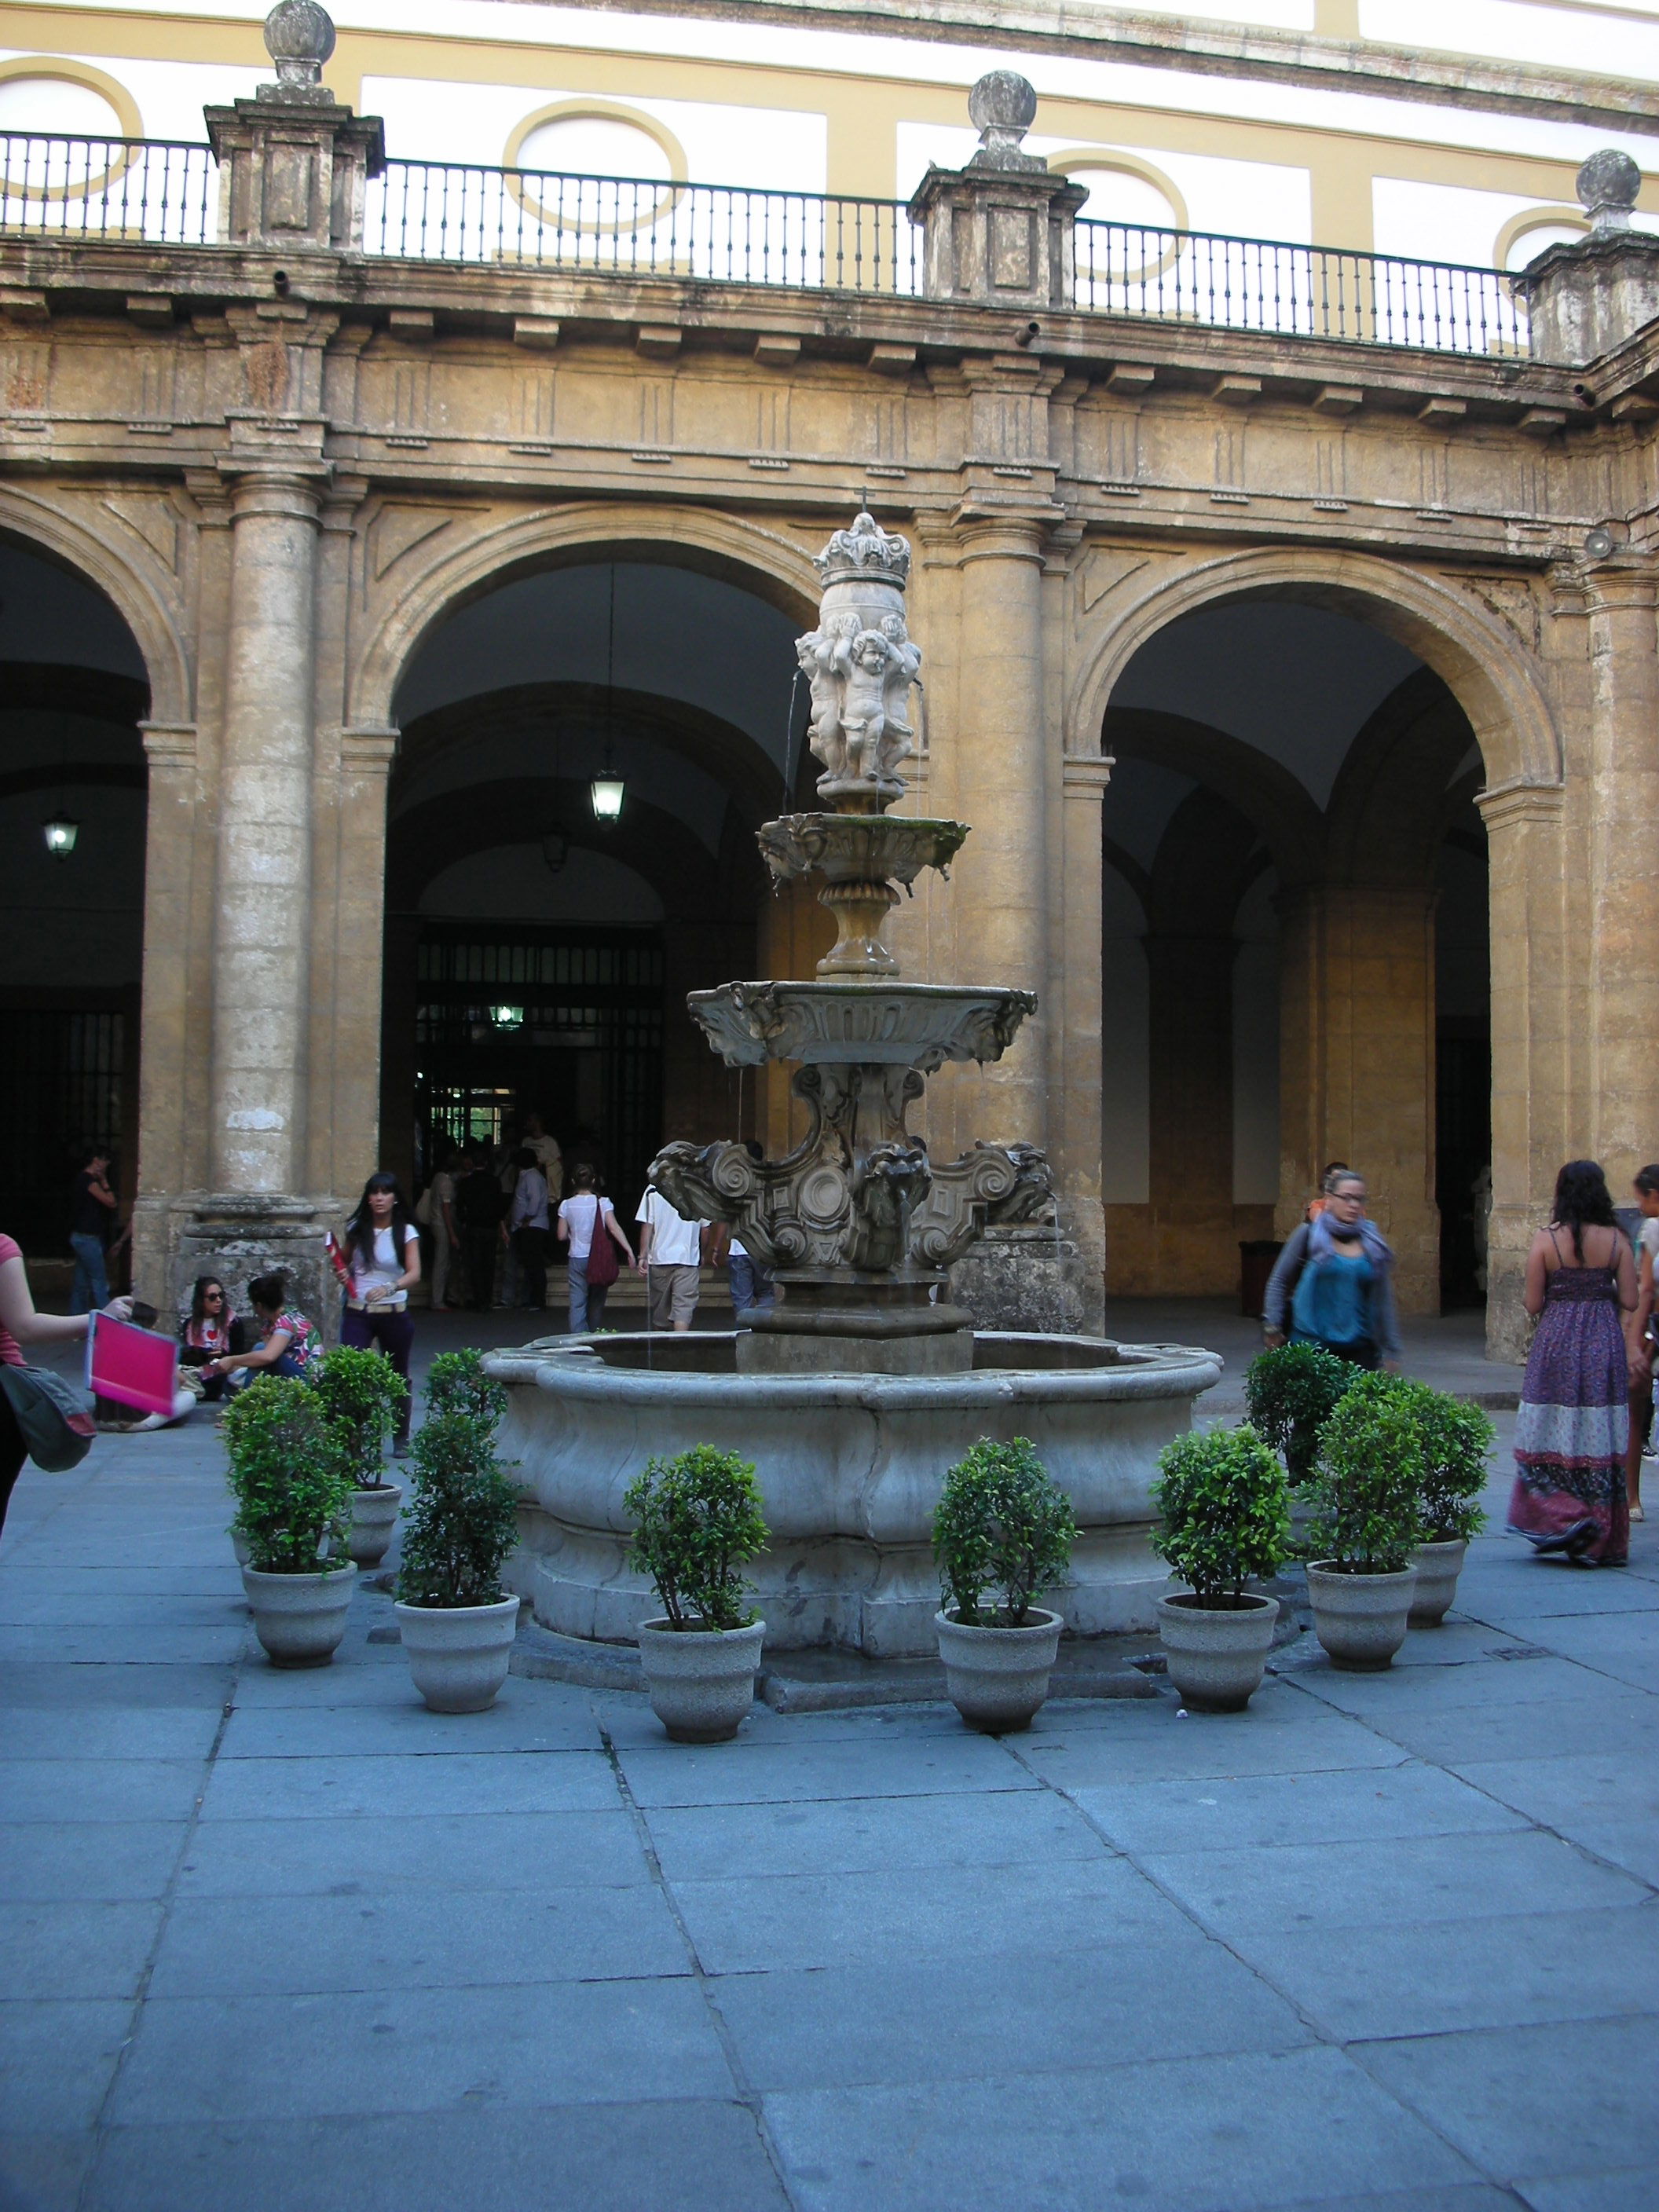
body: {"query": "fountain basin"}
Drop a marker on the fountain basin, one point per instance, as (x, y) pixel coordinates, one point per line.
(873, 1025)
(847, 849)
(850, 1466)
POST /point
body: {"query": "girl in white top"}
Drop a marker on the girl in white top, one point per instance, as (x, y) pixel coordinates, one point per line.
(383, 1251)
(580, 1217)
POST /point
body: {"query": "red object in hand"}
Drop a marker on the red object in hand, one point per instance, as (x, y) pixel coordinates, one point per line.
(134, 1366)
(337, 1261)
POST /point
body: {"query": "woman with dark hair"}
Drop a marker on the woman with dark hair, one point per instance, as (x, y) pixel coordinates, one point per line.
(209, 1331)
(383, 1259)
(288, 1342)
(1641, 1338)
(1574, 1422)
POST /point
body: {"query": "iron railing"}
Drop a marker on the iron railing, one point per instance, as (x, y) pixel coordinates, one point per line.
(1297, 291)
(642, 226)
(449, 211)
(150, 189)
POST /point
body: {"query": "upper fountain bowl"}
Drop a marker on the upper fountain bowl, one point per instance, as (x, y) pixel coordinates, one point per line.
(858, 848)
(875, 1025)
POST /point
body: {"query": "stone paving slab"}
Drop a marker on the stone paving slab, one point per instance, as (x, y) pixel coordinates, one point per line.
(1381, 1944)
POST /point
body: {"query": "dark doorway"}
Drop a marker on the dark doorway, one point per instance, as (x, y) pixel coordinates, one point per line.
(563, 1021)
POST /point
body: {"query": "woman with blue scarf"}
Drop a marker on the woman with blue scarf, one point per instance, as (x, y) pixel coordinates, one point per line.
(1335, 1275)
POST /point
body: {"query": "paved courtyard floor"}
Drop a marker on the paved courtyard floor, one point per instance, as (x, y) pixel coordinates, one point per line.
(278, 1942)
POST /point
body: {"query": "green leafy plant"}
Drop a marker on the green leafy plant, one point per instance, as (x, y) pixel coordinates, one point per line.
(1454, 1440)
(456, 1384)
(361, 1395)
(1367, 1491)
(1000, 1524)
(289, 1476)
(1225, 1509)
(463, 1520)
(698, 1520)
(1289, 1396)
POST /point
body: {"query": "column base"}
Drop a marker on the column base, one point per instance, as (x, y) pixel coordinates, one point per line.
(1024, 1277)
(238, 1235)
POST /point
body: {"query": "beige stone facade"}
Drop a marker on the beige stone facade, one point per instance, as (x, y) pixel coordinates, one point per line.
(286, 463)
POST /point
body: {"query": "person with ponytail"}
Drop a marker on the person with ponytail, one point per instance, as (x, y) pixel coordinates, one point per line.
(383, 1255)
(1570, 1434)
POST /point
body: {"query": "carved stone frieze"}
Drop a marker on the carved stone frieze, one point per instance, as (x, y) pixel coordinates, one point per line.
(895, 1025)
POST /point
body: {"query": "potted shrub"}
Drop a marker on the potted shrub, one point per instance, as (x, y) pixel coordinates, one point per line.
(1454, 1440)
(456, 1621)
(293, 1506)
(698, 1522)
(362, 1395)
(1367, 1521)
(1289, 1396)
(1002, 1525)
(1225, 1509)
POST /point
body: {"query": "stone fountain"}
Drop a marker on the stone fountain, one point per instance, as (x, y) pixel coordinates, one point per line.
(867, 1381)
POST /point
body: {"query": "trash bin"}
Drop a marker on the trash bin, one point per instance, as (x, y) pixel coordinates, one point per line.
(1256, 1255)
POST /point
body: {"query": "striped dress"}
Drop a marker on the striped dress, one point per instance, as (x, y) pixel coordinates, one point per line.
(1570, 1432)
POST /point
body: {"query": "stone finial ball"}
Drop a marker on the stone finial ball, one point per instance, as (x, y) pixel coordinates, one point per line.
(1608, 180)
(298, 31)
(1002, 101)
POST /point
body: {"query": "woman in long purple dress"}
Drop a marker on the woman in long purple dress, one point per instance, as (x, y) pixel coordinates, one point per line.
(1574, 1422)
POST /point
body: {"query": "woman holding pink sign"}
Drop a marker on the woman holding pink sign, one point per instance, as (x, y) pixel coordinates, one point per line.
(20, 1324)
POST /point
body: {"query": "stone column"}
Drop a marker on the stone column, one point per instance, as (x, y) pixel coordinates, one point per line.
(261, 965)
(255, 1215)
(999, 880)
(1531, 1075)
(172, 821)
(1620, 597)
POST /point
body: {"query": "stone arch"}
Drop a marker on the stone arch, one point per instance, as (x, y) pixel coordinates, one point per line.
(757, 559)
(1484, 664)
(140, 600)
(1267, 794)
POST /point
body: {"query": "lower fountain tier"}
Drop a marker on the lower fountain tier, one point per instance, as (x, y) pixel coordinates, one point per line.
(850, 1468)
(877, 1023)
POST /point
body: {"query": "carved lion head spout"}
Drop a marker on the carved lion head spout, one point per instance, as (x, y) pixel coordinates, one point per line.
(892, 1179)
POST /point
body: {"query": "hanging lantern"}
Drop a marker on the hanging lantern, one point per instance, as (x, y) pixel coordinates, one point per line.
(60, 833)
(609, 791)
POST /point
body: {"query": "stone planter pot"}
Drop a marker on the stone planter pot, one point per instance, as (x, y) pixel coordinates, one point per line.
(240, 1545)
(1216, 1658)
(374, 1518)
(1360, 1619)
(998, 1677)
(300, 1619)
(459, 1654)
(1438, 1566)
(701, 1681)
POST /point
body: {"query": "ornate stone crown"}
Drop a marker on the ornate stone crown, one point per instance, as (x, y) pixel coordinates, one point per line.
(865, 550)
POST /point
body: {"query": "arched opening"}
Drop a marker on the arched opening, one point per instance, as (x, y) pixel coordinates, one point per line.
(73, 690)
(1296, 960)
(538, 953)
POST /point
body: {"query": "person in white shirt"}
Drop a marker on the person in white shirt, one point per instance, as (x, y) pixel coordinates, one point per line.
(670, 1253)
(383, 1251)
(525, 1228)
(582, 1216)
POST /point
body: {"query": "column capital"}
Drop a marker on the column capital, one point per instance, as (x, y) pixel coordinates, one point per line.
(985, 530)
(1620, 585)
(370, 748)
(290, 486)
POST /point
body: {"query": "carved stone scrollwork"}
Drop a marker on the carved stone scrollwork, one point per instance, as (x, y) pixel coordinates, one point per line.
(992, 1185)
(841, 1198)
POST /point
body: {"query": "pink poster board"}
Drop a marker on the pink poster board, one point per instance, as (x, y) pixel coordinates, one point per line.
(133, 1365)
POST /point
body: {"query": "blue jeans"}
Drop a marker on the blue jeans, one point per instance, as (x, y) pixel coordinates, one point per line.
(587, 1306)
(91, 1280)
(751, 1286)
